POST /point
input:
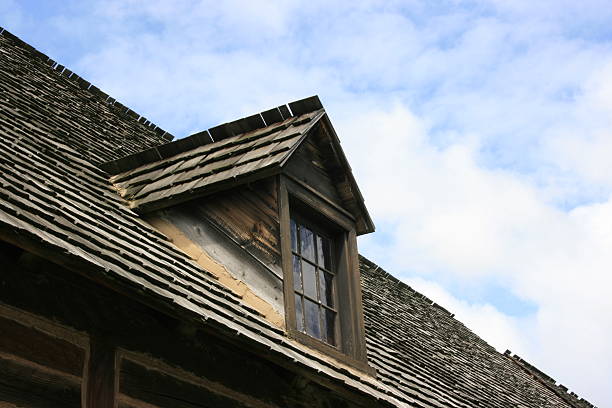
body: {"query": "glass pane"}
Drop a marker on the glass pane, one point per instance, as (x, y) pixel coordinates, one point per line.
(307, 243)
(294, 243)
(323, 252)
(299, 316)
(310, 279)
(329, 320)
(326, 288)
(297, 275)
(312, 318)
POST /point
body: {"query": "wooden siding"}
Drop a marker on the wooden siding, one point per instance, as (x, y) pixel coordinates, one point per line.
(310, 165)
(68, 342)
(38, 369)
(249, 215)
(154, 384)
(42, 364)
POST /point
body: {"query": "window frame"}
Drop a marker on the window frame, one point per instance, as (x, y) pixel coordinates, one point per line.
(319, 230)
(297, 197)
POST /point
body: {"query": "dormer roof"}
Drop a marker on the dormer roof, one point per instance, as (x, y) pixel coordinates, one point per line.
(229, 155)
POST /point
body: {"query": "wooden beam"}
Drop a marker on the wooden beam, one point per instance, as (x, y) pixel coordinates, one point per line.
(40, 348)
(27, 385)
(101, 381)
(153, 382)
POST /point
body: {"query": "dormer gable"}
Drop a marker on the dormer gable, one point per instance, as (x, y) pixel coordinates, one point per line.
(318, 162)
(297, 139)
(267, 203)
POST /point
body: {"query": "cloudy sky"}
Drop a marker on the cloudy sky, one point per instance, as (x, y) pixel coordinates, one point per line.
(480, 133)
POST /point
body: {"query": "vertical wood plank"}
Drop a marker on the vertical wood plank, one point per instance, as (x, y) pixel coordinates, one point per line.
(346, 307)
(357, 302)
(285, 243)
(100, 382)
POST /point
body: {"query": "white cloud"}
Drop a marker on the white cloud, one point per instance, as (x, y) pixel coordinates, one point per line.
(583, 147)
(480, 133)
(455, 218)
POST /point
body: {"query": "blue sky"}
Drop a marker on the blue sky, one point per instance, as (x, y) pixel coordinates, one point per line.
(480, 133)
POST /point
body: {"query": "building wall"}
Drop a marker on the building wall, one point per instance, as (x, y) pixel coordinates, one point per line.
(68, 341)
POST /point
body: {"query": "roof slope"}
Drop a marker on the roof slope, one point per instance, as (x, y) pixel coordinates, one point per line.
(52, 100)
(418, 347)
(54, 201)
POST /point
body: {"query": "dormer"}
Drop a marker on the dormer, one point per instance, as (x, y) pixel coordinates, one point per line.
(268, 203)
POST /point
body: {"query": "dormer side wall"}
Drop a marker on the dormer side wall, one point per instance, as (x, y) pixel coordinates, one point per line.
(235, 236)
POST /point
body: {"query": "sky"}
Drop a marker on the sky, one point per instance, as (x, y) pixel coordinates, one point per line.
(480, 133)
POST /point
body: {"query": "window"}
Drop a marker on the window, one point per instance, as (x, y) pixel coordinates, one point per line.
(313, 281)
(322, 290)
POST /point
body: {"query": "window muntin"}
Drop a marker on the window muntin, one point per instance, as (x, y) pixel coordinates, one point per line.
(313, 282)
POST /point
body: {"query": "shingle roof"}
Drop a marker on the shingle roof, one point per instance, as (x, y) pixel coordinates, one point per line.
(203, 167)
(422, 350)
(227, 155)
(49, 99)
(55, 201)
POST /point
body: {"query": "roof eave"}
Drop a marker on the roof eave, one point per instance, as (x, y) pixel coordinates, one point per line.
(205, 191)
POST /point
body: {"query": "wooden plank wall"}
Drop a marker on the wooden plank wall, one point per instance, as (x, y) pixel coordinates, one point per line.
(317, 164)
(67, 341)
(38, 368)
(146, 382)
(310, 165)
(41, 363)
(249, 214)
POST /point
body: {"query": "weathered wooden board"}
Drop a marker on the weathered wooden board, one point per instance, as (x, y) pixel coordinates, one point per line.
(40, 348)
(156, 388)
(100, 388)
(249, 214)
(27, 385)
(309, 165)
(37, 369)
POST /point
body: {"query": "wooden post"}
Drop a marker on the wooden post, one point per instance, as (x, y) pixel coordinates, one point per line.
(100, 381)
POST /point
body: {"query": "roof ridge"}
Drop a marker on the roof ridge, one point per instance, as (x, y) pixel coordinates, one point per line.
(120, 109)
(559, 389)
(215, 134)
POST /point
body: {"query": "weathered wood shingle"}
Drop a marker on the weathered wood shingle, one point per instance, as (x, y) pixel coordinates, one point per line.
(165, 178)
(53, 100)
(420, 348)
(241, 151)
